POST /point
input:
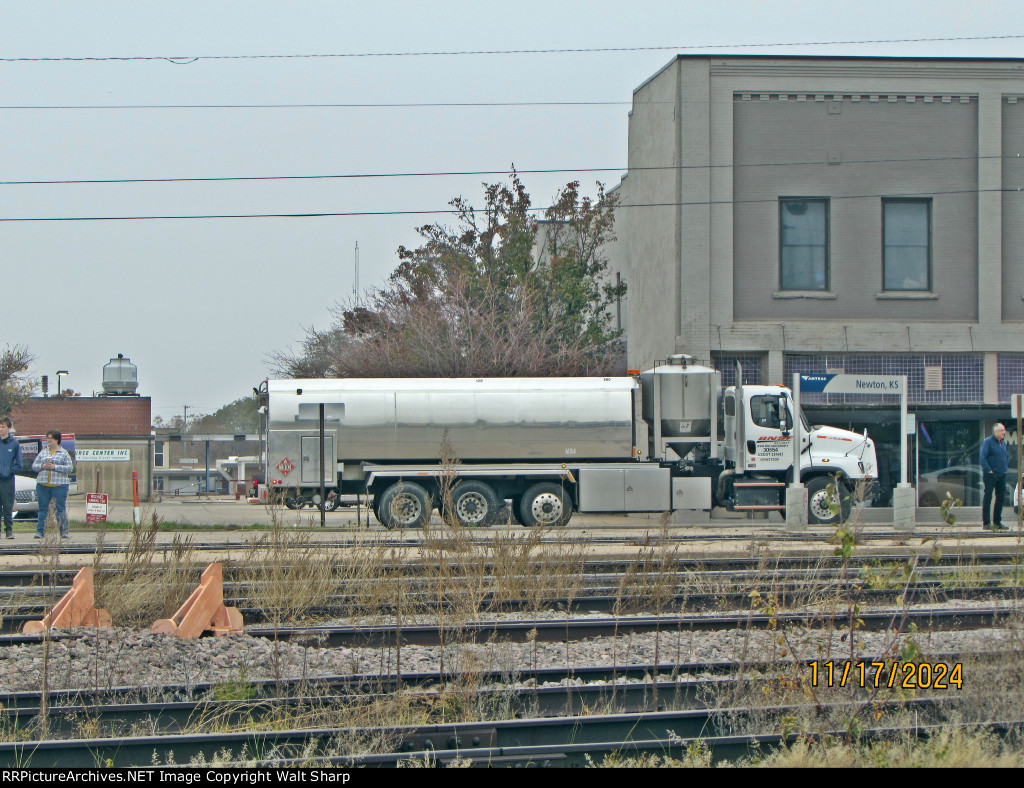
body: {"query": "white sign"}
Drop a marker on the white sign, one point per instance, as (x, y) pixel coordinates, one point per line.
(103, 455)
(852, 384)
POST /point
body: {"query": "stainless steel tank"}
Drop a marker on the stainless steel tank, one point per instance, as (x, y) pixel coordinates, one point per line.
(496, 419)
(682, 395)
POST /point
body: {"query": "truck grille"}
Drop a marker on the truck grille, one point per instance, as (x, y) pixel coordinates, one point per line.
(25, 496)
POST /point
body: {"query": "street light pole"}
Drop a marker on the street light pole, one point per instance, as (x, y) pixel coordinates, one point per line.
(60, 372)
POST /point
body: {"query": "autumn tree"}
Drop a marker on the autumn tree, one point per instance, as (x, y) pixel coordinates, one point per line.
(15, 384)
(238, 417)
(502, 294)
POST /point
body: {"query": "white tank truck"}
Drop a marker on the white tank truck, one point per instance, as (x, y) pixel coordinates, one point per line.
(668, 439)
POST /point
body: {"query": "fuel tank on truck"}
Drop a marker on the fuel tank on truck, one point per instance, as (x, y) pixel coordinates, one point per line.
(499, 419)
(682, 395)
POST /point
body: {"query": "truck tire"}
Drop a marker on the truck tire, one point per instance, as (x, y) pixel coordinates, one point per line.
(404, 505)
(513, 509)
(818, 511)
(545, 504)
(296, 501)
(331, 504)
(475, 504)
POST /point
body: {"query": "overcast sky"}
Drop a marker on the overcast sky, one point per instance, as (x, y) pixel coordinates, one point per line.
(197, 303)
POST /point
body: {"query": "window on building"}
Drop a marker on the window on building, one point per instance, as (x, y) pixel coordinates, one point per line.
(907, 232)
(158, 454)
(803, 243)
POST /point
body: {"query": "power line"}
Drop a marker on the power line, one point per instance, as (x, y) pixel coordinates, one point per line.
(504, 172)
(364, 105)
(339, 214)
(189, 59)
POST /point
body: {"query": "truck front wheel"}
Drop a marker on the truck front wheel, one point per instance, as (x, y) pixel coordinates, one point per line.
(545, 504)
(404, 505)
(819, 507)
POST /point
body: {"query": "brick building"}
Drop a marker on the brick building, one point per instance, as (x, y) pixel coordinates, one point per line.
(98, 423)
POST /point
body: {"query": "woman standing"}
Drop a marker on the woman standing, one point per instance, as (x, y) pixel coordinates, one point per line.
(52, 482)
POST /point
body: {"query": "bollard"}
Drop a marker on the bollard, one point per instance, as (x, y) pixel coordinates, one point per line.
(135, 497)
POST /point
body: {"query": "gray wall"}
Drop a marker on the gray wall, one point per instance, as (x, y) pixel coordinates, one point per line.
(698, 227)
(1013, 212)
(880, 145)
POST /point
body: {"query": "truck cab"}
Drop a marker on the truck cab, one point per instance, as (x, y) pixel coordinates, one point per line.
(759, 433)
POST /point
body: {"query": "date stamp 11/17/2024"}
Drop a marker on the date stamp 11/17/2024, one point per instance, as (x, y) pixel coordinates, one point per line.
(872, 675)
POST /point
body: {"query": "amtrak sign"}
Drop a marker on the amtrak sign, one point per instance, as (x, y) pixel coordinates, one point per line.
(853, 384)
(862, 384)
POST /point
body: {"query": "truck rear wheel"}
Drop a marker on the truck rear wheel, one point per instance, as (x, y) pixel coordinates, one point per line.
(475, 504)
(404, 505)
(545, 504)
(818, 509)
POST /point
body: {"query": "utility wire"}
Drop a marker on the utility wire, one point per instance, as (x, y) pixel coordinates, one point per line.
(477, 173)
(188, 59)
(455, 211)
(397, 105)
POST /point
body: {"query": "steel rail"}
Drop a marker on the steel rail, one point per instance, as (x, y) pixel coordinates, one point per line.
(566, 536)
(712, 566)
(573, 629)
(473, 740)
(15, 616)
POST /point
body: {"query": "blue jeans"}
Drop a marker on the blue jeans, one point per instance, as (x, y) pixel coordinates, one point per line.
(59, 496)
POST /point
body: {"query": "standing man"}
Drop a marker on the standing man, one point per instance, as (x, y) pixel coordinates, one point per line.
(993, 469)
(10, 464)
(54, 466)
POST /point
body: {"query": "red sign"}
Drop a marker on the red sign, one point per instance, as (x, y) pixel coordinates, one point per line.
(285, 466)
(96, 507)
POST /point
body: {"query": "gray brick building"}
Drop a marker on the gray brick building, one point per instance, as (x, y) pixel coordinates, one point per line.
(812, 214)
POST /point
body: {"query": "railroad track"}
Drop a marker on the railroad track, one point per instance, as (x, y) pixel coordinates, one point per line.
(554, 740)
(604, 601)
(532, 692)
(591, 536)
(561, 630)
(731, 568)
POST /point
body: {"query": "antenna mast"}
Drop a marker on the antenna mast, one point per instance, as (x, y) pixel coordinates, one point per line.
(355, 281)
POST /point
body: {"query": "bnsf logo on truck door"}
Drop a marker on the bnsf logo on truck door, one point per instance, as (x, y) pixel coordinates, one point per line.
(773, 447)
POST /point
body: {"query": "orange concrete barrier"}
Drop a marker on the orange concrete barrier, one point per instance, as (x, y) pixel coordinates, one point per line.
(77, 608)
(203, 610)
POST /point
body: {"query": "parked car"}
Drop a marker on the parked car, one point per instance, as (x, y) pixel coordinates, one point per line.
(965, 482)
(25, 502)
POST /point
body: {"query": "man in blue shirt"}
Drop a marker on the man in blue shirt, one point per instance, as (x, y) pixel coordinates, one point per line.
(993, 469)
(10, 463)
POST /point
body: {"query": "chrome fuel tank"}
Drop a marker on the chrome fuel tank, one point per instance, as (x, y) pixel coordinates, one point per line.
(496, 419)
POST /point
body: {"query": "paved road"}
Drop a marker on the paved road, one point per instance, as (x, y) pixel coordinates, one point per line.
(226, 511)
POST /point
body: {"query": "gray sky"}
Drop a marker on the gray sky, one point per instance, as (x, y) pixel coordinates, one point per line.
(198, 303)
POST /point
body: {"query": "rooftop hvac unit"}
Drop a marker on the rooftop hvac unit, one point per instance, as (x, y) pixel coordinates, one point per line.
(120, 378)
